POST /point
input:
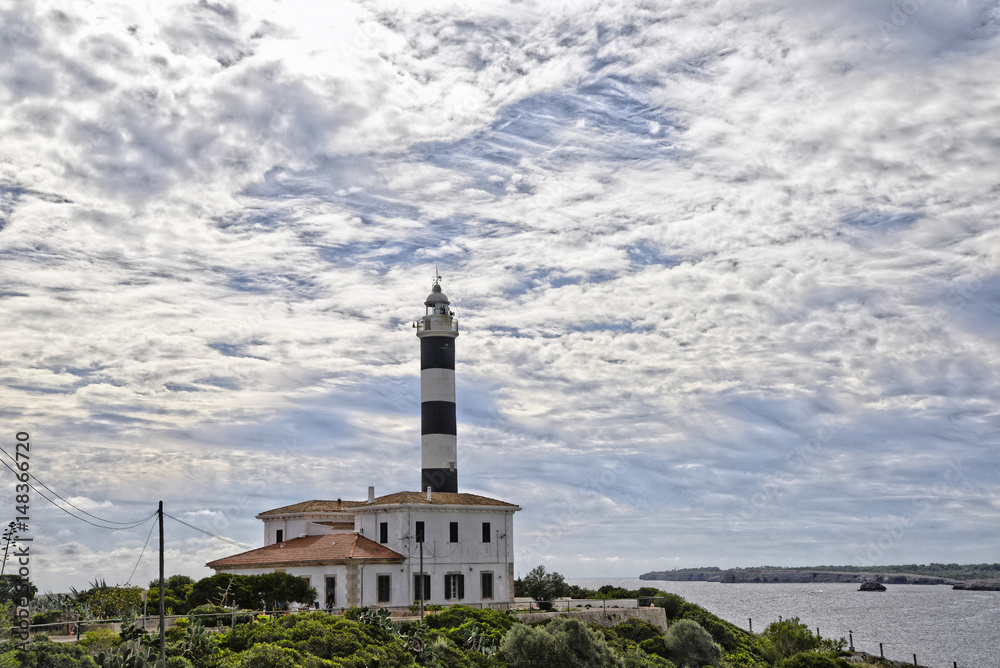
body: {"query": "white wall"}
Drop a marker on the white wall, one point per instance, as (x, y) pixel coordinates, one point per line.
(470, 556)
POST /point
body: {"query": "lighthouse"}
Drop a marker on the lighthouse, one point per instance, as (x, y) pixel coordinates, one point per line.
(437, 331)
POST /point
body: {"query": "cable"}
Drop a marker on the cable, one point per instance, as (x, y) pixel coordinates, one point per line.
(209, 533)
(61, 498)
(153, 526)
(82, 519)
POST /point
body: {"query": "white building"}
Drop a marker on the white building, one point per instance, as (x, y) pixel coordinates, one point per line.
(438, 544)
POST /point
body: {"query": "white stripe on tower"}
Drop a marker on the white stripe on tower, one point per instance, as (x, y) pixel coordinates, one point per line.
(437, 331)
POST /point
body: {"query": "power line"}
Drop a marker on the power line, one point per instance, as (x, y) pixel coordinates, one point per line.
(125, 525)
(209, 533)
(151, 527)
(62, 498)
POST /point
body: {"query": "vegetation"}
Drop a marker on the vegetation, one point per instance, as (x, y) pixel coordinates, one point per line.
(270, 591)
(11, 587)
(176, 590)
(457, 637)
(542, 586)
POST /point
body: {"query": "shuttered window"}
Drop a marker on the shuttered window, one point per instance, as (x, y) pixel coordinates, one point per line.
(421, 587)
(384, 586)
(486, 584)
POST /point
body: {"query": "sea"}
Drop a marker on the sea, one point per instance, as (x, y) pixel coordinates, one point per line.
(944, 627)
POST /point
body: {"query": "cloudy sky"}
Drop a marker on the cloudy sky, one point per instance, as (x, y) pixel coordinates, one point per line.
(726, 272)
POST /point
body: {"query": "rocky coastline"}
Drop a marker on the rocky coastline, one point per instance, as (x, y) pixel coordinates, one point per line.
(979, 585)
(794, 576)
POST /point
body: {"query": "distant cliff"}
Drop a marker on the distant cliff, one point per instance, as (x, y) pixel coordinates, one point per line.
(791, 575)
(980, 585)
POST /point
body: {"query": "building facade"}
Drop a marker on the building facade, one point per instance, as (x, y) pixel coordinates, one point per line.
(439, 545)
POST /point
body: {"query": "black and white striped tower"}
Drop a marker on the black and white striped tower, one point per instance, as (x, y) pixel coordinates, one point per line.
(437, 331)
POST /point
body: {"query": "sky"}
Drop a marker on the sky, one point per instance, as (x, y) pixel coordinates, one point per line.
(726, 273)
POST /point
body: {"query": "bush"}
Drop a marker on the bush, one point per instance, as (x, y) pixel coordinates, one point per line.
(465, 626)
(787, 638)
(691, 646)
(812, 660)
(216, 615)
(99, 640)
(560, 643)
(46, 654)
(270, 656)
(50, 617)
(671, 604)
(636, 630)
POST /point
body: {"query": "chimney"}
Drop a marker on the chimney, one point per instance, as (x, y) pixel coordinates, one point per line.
(371, 493)
(428, 494)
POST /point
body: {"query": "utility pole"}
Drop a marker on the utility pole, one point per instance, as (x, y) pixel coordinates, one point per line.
(163, 624)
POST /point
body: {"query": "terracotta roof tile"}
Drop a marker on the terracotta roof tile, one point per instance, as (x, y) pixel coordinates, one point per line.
(441, 499)
(316, 507)
(328, 548)
(420, 498)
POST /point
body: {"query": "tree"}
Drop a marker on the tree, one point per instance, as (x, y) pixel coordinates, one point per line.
(113, 602)
(691, 646)
(544, 587)
(14, 587)
(252, 592)
(176, 589)
(786, 638)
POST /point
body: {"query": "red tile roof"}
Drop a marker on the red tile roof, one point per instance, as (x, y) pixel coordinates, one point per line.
(441, 499)
(316, 507)
(325, 549)
(437, 499)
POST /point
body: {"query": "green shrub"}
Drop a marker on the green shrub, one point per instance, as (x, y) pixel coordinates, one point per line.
(270, 656)
(657, 646)
(691, 646)
(636, 630)
(471, 627)
(561, 643)
(216, 615)
(99, 640)
(46, 654)
(787, 638)
(671, 604)
(178, 662)
(812, 660)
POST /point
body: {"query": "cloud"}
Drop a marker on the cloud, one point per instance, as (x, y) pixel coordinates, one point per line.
(716, 265)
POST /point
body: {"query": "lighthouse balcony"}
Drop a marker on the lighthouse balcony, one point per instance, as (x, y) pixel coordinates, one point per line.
(437, 324)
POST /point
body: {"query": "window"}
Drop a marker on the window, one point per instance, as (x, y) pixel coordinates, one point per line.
(486, 584)
(383, 532)
(453, 532)
(331, 591)
(279, 535)
(420, 532)
(421, 587)
(487, 534)
(454, 586)
(384, 586)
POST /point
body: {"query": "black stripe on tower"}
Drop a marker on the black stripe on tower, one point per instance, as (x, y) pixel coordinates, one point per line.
(439, 480)
(438, 417)
(437, 352)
